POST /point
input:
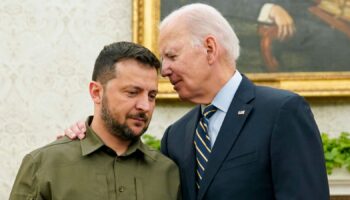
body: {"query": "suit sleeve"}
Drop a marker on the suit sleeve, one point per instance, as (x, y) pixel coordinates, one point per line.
(297, 159)
(24, 186)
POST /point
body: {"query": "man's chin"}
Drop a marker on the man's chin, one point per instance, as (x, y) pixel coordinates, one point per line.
(138, 131)
(138, 128)
(184, 96)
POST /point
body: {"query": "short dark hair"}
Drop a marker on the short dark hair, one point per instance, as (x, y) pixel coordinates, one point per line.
(104, 69)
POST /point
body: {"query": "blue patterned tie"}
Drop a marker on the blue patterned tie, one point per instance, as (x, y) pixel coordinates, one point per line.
(202, 142)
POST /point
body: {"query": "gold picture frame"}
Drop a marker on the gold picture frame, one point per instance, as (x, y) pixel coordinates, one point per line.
(146, 16)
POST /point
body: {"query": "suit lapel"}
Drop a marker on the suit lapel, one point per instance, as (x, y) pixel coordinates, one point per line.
(236, 116)
(190, 164)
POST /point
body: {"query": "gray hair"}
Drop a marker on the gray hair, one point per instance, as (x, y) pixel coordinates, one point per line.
(204, 20)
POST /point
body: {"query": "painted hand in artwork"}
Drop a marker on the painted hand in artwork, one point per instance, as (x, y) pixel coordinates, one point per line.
(283, 21)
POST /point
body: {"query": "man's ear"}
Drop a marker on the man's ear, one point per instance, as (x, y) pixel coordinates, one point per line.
(96, 91)
(210, 44)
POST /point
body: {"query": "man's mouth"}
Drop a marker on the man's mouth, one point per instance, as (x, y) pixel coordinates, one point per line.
(175, 84)
(141, 117)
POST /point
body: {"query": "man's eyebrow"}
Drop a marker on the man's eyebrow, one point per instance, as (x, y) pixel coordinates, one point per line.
(156, 91)
(132, 87)
(169, 51)
(138, 88)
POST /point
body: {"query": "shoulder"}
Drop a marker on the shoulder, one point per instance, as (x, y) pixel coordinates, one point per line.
(57, 150)
(248, 92)
(273, 93)
(189, 116)
(160, 165)
(158, 158)
(268, 99)
(270, 95)
(282, 101)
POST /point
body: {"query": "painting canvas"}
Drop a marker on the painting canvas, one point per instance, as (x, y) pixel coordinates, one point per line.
(313, 60)
(316, 39)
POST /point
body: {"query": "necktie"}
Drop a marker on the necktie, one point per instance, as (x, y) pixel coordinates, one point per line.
(202, 142)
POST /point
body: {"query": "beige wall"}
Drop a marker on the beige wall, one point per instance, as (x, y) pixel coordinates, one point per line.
(332, 116)
(47, 52)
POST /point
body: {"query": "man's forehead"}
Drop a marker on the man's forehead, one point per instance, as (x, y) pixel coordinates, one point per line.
(133, 65)
(165, 46)
(171, 42)
(171, 31)
(142, 86)
(168, 48)
(139, 83)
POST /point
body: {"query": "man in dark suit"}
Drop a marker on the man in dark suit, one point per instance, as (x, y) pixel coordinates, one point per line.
(251, 142)
(263, 143)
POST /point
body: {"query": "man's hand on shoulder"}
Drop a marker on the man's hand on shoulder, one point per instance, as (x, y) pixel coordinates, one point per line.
(75, 131)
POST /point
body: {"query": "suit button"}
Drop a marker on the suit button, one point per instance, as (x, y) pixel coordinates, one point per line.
(121, 189)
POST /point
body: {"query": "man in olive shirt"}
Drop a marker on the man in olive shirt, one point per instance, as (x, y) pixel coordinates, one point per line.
(111, 162)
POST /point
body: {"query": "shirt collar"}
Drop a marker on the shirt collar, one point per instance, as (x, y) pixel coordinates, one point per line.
(224, 97)
(139, 146)
(92, 143)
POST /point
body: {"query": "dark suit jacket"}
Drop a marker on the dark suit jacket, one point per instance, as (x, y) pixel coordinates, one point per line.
(272, 151)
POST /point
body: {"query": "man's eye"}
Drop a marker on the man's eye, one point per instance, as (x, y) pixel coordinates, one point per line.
(131, 93)
(152, 96)
(171, 56)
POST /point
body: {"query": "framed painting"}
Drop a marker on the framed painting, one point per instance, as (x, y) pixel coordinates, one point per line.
(312, 59)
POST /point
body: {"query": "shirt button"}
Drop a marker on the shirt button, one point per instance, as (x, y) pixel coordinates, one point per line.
(121, 189)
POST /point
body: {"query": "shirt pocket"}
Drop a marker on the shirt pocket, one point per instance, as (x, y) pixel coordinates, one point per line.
(73, 182)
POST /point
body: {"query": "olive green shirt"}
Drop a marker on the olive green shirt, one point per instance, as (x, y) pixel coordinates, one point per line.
(87, 169)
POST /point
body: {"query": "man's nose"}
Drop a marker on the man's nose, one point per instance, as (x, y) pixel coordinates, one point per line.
(165, 70)
(143, 104)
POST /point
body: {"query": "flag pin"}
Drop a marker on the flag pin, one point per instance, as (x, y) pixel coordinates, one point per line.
(241, 112)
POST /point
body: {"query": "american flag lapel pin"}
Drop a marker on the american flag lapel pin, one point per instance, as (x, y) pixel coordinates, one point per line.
(241, 112)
